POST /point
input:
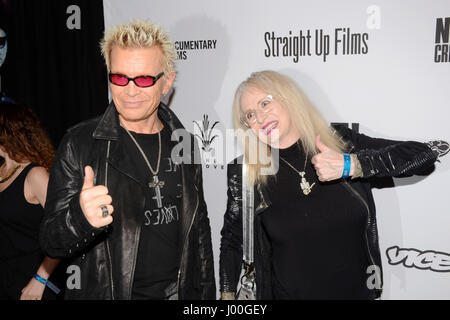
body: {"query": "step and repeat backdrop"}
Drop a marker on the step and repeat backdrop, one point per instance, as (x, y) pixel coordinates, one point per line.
(382, 68)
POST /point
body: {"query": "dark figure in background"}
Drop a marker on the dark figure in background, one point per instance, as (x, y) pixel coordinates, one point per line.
(3, 52)
(26, 154)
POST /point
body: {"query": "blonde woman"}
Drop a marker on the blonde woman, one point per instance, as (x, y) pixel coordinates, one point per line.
(315, 226)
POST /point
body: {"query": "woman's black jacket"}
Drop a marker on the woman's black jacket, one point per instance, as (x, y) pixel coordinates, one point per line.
(378, 158)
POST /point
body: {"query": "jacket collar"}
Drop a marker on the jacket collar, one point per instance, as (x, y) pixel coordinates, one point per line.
(108, 128)
(109, 124)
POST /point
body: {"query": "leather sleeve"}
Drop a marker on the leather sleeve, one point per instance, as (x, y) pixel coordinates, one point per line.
(230, 265)
(383, 158)
(207, 282)
(64, 230)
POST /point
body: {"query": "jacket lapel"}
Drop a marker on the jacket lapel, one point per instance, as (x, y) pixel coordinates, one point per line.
(120, 158)
(261, 200)
(190, 198)
(109, 129)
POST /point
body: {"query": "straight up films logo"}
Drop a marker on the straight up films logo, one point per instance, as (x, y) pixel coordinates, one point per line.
(318, 42)
(442, 40)
(301, 43)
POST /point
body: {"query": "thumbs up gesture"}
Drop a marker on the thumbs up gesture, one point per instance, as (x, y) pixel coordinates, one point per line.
(92, 198)
(328, 163)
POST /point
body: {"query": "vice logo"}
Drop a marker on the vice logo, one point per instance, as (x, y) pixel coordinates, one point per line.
(423, 260)
(442, 40)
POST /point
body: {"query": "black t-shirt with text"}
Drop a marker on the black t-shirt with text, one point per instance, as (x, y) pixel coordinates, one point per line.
(157, 259)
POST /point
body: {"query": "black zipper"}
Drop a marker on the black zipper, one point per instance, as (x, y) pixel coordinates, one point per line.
(366, 227)
(185, 240)
(263, 205)
(136, 247)
(110, 269)
(107, 242)
(368, 216)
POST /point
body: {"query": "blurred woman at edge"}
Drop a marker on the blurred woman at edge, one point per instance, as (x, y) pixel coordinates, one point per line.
(26, 154)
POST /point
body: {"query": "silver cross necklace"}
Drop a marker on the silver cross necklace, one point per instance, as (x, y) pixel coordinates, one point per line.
(304, 184)
(156, 183)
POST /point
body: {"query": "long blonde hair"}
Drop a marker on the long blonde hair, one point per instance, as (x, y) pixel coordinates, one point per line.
(305, 118)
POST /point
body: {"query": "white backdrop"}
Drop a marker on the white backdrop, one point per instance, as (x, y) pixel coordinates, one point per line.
(392, 88)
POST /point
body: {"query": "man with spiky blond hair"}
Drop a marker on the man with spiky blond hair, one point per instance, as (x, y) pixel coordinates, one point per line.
(133, 219)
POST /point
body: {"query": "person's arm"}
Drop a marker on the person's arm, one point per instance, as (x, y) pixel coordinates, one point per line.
(34, 289)
(373, 157)
(390, 158)
(230, 264)
(65, 231)
(35, 191)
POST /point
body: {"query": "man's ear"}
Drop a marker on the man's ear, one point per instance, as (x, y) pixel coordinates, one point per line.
(169, 79)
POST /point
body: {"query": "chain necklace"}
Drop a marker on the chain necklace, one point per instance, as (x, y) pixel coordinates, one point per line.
(3, 179)
(304, 184)
(156, 183)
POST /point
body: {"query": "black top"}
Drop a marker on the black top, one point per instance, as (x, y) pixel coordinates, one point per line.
(157, 258)
(317, 240)
(20, 253)
(19, 220)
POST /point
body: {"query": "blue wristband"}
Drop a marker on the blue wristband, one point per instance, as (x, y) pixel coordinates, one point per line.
(47, 283)
(347, 165)
(40, 279)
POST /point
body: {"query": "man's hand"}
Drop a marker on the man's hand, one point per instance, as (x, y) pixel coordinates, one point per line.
(92, 198)
(328, 163)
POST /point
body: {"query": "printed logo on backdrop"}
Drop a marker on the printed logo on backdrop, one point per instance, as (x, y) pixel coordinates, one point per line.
(354, 126)
(440, 147)
(423, 260)
(318, 42)
(185, 47)
(442, 40)
(206, 138)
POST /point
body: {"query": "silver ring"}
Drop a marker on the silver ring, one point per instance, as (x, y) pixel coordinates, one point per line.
(104, 211)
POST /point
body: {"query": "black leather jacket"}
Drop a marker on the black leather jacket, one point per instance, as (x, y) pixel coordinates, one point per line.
(107, 256)
(378, 158)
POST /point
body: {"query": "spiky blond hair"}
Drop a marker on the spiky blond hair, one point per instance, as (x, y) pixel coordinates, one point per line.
(139, 34)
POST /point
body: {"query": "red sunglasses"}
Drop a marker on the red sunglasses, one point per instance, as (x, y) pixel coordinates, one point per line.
(141, 81)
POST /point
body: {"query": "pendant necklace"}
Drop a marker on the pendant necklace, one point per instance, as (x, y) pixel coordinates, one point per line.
(304, 184)
(156, 183)
(3, 179)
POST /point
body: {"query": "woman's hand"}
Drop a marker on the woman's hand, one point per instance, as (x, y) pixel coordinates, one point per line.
(328, 163)
(33, 290)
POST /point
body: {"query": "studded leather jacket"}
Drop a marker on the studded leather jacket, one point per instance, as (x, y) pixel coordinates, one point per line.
(378, 158)
(106, 257)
